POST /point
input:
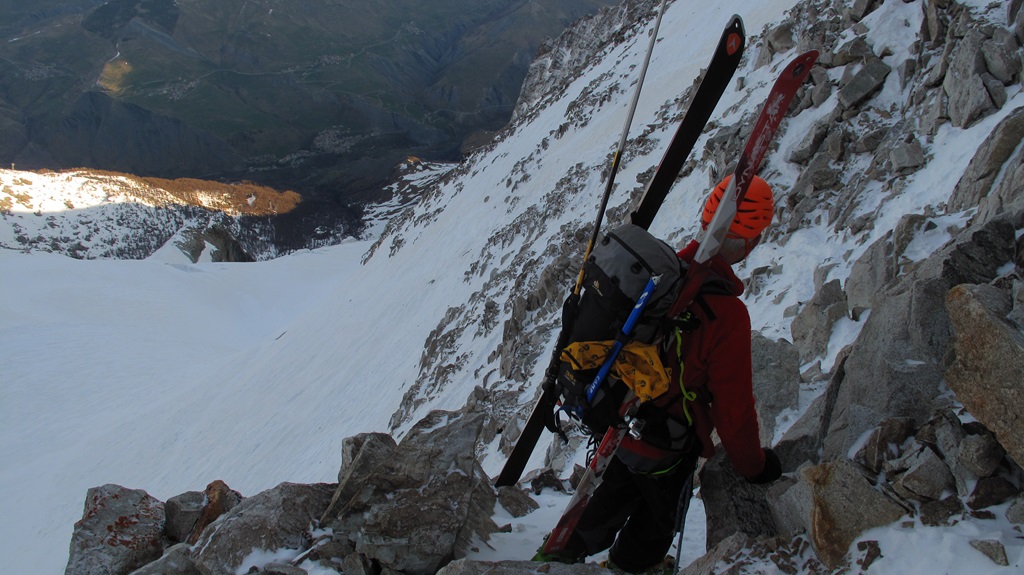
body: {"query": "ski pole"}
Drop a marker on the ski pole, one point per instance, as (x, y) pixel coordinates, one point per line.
(617, 158)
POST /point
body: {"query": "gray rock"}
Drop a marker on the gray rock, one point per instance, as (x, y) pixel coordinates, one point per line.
(992, 491)
(1015, 512)
(516, 501)
(907, 157)
(855, 50)
(872, 270)
(937, 513)
(282, 569)
(968, 99)
(884, 443)
(1018, 26)
(809, 146)
(360, 456)
(733, 504)
(981, 454)
(776, 380)
(948, 438)
(182, 512)
(802, 441)
(277, 518)
(727, 548)
(120, 531)
(989, 360)
(897, 362)
(996, 90)
(1002, 56)
(812, 327)
(927, 478)
(861, 8)
(934, 24)
(357, 564)
(835, 504)
(790, 502)
(424, 505)
(821, 93)
(865, 83)
(177, 560)
(985, 166)
(993, 549)
(780, 38)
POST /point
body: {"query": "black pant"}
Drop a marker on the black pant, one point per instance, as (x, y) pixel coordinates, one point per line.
(633, 514)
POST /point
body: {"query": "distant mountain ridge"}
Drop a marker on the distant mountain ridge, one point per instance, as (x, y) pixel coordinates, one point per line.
(321, 96)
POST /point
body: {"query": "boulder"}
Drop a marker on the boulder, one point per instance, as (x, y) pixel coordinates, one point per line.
(993, 549)
(926, 477)
(733, 504)
(177, 560)
(897, 363)
(1015, 512)
(425, 505)
(989, 360)
(834, 503)
(864, 83)
(812, 327)
(121, 530)
(1002, 56)
(218, 499)
(278, 518)
(885, 443)
(776, 381)
(873, 269)
(985, 166)
(360, 456)
(968, 99)
(729, 547)
(182, 512)
(907, 157)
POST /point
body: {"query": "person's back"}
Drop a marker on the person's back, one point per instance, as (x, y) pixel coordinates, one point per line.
(634, 509)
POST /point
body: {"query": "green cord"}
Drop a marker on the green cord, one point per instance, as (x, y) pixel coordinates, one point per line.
(687, 395)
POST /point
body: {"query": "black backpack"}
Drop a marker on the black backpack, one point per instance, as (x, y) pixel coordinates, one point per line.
(615, 275)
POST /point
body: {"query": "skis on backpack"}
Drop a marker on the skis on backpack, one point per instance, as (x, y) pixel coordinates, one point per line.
(776, 105)
(720, 71)
(712, 86)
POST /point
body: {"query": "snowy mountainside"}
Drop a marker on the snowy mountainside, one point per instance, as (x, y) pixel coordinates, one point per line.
(92, 214)
(456, 300)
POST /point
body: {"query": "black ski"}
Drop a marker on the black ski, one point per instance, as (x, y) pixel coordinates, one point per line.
(716, 80)
(720, 71)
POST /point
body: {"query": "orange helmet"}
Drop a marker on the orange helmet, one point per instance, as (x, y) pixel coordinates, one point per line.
(754, 213)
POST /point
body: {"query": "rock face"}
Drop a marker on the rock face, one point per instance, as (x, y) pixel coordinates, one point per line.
(422, 505)
(986, 375)
(120, 531)
(834, 504)
(278, 518)
(410, 508)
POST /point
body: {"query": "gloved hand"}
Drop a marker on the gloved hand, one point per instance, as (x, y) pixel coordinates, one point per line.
(772, 468)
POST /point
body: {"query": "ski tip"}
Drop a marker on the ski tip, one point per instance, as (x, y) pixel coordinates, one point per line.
(734, 36)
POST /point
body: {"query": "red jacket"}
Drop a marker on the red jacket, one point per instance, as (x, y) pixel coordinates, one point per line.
(717, 366)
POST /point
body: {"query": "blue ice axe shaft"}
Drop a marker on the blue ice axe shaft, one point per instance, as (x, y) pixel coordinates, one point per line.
(627, 329)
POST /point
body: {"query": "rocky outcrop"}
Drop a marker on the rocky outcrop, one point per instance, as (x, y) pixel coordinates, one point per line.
(986, 374)
(409, 508)
(120, 531)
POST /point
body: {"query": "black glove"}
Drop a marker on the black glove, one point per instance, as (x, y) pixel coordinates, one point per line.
(772, 468)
